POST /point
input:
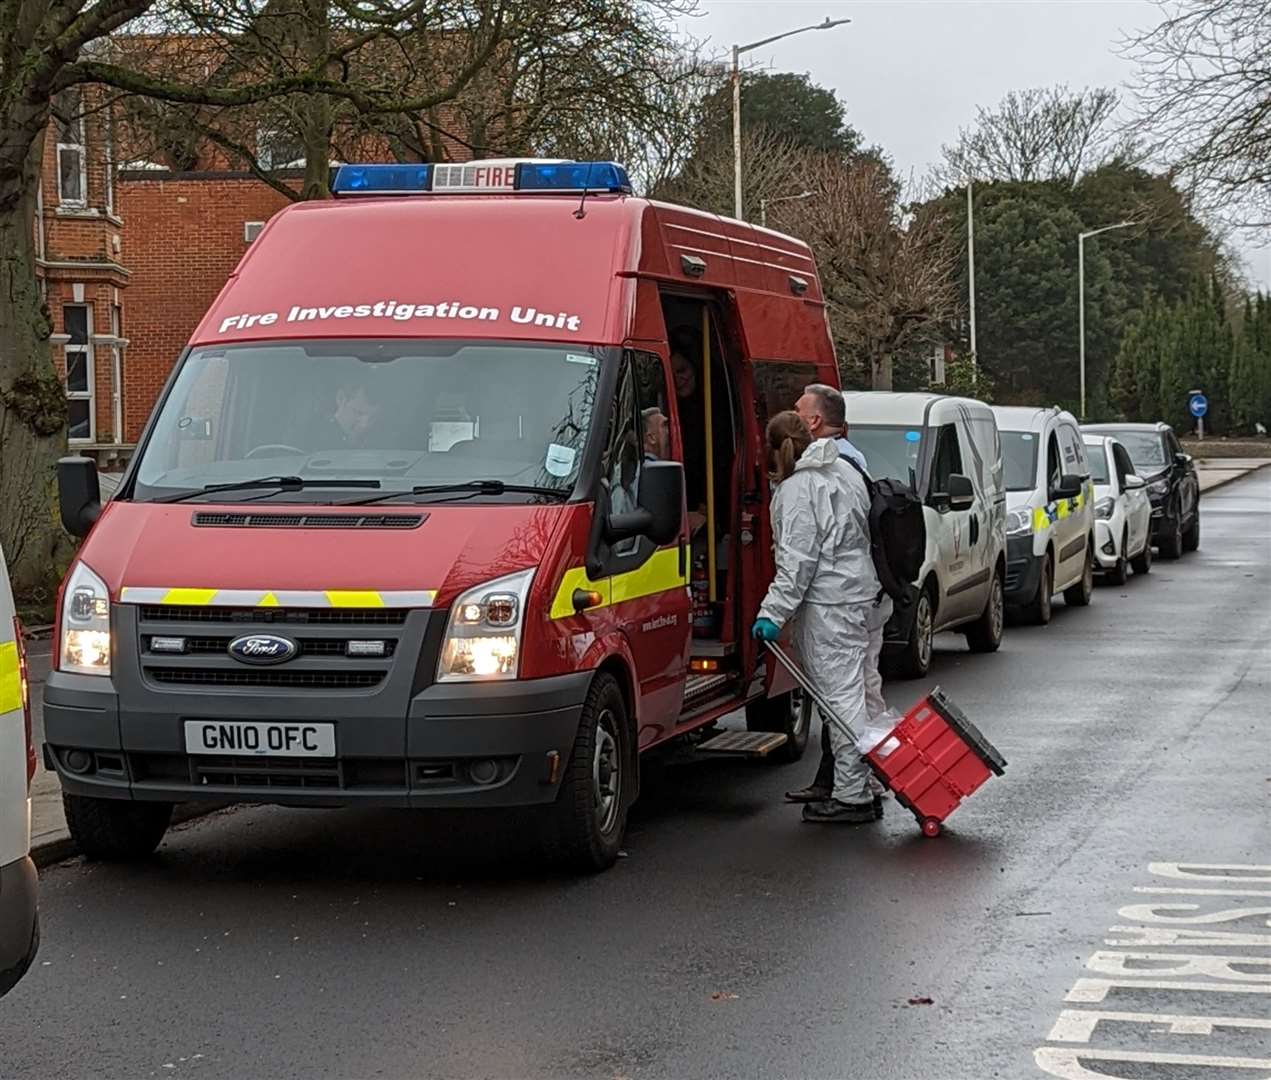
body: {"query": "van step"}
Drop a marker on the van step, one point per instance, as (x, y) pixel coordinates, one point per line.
(744, 743)
(700, 687)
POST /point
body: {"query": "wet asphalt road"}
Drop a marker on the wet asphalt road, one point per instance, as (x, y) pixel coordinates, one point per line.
(733, 941)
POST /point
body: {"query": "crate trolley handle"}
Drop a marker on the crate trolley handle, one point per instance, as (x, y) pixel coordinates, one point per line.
(798, 675)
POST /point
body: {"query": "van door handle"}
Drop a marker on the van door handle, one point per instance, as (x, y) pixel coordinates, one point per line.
(975, 529)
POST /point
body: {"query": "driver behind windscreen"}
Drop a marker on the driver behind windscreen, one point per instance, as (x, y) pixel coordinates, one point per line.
(351, 419)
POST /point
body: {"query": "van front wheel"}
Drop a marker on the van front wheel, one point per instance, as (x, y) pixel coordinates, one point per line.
(583, 828)
(985, 634)
(913, 661)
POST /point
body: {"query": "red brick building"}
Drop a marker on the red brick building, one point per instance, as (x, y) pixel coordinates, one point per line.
(130, 258)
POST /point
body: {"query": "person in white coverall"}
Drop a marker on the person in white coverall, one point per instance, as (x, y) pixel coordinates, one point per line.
(824, 410)
(825, 586)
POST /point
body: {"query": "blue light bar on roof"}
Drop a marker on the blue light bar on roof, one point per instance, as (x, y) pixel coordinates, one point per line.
(572, 176)
(382, 180)
(482, 177)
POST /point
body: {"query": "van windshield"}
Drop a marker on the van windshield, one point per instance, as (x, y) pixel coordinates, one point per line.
(1019, 459)
(387, 414)
(889, 451)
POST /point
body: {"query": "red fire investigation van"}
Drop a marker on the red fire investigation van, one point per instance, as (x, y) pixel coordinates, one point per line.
(457, 498)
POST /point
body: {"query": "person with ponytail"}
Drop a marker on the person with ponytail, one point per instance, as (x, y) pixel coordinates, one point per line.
(824, 588)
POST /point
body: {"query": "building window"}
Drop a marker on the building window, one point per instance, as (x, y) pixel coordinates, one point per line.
(77, 323)
(251, 230)
(277, 148)
(72, 167)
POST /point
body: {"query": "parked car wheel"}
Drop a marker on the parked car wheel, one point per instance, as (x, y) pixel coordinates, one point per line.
(1142, 563)
(1172, 539)
(583, 828)
(115, 830)
(985, 634)
(1079, 595)
(1120, 573)
(1191, 538)
(790, 713)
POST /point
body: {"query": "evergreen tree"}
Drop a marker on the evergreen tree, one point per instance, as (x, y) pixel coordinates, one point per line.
(1247, 376)
(1182, 342)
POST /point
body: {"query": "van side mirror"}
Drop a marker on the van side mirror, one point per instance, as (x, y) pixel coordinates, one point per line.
(78, 494)
(1134, 483)
(660, 506)
(961, 492)
(1069, 487)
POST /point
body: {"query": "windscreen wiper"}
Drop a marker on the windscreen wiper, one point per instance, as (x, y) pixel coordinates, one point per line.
(476, 487)
(281, 483)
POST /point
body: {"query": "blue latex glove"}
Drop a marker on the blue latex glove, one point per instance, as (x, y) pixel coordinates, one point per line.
(765, 630)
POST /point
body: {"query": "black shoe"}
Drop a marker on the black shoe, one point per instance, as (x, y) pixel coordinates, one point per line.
(810, 794)
(833, 812)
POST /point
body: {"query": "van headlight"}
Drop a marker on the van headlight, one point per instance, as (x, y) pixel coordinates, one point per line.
(1103, 508)
(1019, 522)
(85, 644)
(483, 635)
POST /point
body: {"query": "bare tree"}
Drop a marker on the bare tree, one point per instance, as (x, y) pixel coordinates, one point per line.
(704, 179)
(1204, 94)
(888, 272)
(1038, 134)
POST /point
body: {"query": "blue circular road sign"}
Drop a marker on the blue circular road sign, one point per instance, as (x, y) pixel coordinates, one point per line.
(1199, 405)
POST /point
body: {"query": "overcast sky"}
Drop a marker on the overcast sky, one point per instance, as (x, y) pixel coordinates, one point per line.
(911, 72)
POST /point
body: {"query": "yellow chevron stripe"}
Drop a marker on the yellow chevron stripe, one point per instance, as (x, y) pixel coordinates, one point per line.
(350, 599)
(660, 574)
(188, 597)
(10, 678)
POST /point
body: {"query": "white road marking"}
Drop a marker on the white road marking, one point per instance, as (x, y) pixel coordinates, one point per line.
(1184, 870)
(1200, 892)
(1192, 939)
(1095, 990)
(1180, 965)
(1065, 1062)
(1148, 913)
(1077, 1025)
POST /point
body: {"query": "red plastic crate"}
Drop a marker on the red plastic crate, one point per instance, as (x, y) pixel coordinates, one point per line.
(941, 758)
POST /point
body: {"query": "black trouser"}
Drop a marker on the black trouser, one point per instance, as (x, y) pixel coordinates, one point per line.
(825, 771)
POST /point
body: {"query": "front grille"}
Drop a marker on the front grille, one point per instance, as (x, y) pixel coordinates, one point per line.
(265, 772)
(219, 646)
(345, 774)
(239, 676)
(206, 519)
(276, 616)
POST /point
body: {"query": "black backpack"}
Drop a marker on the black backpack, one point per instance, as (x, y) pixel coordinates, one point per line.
(897, 534)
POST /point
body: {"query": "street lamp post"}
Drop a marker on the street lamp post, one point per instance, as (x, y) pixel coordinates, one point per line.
(1081, 297)
(765, 203)
(737, 51)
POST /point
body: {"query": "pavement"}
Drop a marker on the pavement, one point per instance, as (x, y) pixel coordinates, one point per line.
(1215, 472)
(1097, 907)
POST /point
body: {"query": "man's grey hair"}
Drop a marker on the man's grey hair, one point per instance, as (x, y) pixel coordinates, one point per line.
(830, 404)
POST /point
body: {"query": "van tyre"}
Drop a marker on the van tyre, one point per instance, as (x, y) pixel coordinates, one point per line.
(913, 661)
(985, 634)
(790, 714)
(1142, 563)
(1120, 573)
(1038, 610)
(584, 827)
(1079, 595)
(1191, 538)
(115, 830)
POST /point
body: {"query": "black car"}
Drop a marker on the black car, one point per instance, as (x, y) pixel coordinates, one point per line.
(1171, 478)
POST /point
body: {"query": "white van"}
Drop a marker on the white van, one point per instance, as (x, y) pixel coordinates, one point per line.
(19, 928)
(1050, 502)
(947, 450)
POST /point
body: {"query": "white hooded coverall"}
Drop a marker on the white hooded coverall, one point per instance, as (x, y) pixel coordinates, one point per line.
(825, 574)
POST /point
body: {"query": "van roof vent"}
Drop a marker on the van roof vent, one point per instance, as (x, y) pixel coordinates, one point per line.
(223, 520)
